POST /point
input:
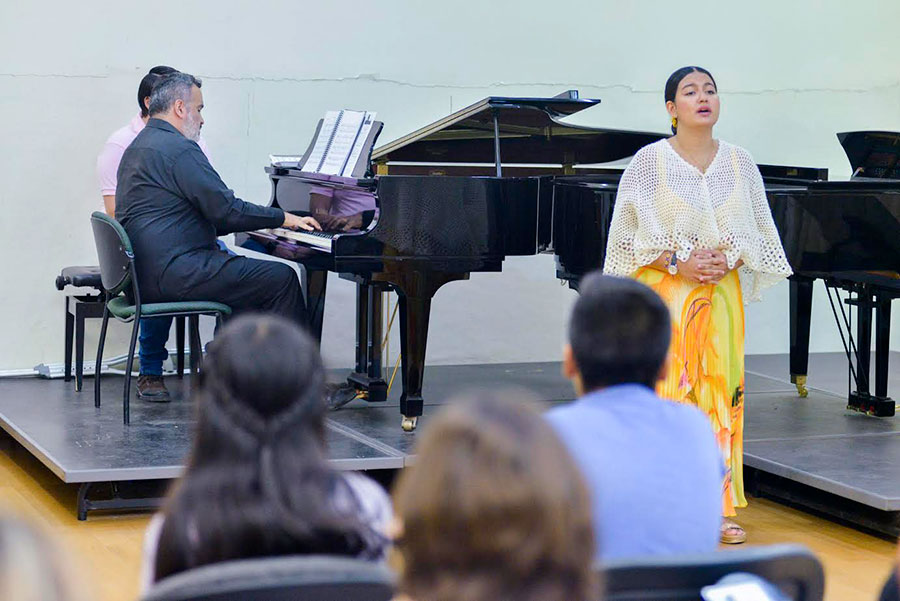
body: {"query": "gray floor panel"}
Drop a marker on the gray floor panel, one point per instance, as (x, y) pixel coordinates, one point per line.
(815, 440)
(778, 416)
(860, 468)
(82, 444)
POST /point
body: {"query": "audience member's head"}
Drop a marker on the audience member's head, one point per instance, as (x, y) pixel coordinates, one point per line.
(147, 83)
(177, 98)
(257, 482)
(891, 590)
(493, 510)
(32, 568)
(619, 333)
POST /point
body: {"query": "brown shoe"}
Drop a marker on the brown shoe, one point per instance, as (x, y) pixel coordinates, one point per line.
(152, 388)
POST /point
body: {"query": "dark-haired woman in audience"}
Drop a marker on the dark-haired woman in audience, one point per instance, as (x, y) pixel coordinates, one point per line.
(257, 482)
(494, 510)
(692, 222)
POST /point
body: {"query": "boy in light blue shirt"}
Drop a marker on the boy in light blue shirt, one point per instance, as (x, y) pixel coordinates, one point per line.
(652, 465)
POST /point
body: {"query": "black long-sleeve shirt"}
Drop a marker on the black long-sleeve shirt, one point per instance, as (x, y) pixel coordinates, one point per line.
(173, 205)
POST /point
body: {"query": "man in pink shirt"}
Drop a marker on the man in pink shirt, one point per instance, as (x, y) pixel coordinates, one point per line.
(154, 331)
(111, 155)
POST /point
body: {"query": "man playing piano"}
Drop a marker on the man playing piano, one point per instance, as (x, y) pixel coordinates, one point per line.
(154, 330)
(173, 205)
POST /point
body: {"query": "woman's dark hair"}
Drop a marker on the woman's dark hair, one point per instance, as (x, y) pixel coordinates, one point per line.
(619, 332)
(495, 509)
(675, 79)
(147, 83)
(257, 482)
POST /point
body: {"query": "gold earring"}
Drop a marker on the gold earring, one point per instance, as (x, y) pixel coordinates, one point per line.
(674, 121)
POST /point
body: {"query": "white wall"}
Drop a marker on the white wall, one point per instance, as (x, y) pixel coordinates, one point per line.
(791, 74)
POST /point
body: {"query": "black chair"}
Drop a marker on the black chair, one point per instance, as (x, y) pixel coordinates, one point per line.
(123, 300)
(292, 577)
(792, 568)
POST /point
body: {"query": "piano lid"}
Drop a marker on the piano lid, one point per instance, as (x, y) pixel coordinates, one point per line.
(872, 154)
(530, 133)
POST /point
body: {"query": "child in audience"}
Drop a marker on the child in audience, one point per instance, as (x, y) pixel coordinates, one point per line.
(652, 465)
(493, 510)
(257, 481)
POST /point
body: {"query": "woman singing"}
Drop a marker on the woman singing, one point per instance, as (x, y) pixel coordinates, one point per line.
(691, 221)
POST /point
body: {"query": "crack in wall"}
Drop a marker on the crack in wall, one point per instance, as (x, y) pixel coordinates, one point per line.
(375, 79)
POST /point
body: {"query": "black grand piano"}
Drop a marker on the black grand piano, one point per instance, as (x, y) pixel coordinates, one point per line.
(847, 233)
(454, 197)
(502, 177)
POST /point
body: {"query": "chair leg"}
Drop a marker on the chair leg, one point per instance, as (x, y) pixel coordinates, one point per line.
(70, 331)
(79, 346)
(99, 361)
(128, 365)
(179, 342)
(196, 348)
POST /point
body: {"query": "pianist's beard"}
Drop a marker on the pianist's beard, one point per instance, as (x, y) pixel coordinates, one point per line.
(192, 127)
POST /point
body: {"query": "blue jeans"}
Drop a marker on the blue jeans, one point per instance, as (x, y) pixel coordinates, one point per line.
(153, 337)
(155, 333)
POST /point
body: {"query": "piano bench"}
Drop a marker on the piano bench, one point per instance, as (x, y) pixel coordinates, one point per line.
(80, 305)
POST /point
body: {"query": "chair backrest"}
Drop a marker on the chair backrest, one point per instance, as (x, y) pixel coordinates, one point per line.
(792, 568)
(292, 577)
(114, 252)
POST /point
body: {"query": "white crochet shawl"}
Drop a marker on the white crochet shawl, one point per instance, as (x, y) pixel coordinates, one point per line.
(665, 203)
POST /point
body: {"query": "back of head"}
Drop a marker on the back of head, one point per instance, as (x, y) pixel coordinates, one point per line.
(31, 567)
(494, 509)
(257, 482)
(169, 88)
(619, 332)
(147, 83)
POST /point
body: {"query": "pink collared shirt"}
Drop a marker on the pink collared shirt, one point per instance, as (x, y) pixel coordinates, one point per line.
(111, 155)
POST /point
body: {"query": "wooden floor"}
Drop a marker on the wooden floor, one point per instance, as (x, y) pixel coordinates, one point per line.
(107, 549)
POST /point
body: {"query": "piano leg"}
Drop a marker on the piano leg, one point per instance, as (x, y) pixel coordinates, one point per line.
(415, 290)
(861, 399)
(801, 290)
(366, 377)
(314, 285)
(864, 306)
(414, 314)
(882, 343)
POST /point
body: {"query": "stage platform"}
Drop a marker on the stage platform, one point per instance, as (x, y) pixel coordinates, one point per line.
(815, 441)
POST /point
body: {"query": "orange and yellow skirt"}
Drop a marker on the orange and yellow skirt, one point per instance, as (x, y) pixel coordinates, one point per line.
(706, 363)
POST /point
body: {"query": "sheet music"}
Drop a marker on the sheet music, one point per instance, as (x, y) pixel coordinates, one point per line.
(321, 145)
(360, 144)
(342, 142)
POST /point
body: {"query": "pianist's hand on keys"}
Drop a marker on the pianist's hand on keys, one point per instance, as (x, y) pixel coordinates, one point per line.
(295, 222)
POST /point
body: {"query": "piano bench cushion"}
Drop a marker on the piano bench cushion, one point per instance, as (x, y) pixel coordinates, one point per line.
(122, 309)
(88, 276)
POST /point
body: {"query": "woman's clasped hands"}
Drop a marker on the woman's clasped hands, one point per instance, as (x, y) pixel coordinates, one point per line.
(704, 266)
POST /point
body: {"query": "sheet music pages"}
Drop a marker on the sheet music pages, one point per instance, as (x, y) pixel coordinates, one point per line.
(317, 155)
(360, 144)
(340, 142)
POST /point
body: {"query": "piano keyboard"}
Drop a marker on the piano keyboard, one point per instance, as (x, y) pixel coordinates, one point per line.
(317, 240)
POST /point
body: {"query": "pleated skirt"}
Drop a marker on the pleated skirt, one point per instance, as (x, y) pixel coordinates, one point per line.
(706, 363)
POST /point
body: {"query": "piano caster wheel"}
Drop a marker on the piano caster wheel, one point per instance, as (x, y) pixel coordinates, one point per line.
(409, 423)
(800, 382)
